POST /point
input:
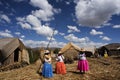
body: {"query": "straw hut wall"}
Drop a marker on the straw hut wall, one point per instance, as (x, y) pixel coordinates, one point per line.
(70, 52)
(12, 50)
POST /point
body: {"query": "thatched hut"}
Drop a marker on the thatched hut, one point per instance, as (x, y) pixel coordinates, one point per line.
(102, 50)
(111, 49)
(12, 50)
(70, 52)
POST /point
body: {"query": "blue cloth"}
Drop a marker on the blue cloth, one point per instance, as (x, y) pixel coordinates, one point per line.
(47, 70)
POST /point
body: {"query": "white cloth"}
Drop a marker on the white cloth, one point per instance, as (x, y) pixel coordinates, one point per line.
(48, 60)
(60, 58)
(82, 56)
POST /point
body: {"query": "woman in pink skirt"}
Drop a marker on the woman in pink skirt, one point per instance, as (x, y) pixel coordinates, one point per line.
(83, 65)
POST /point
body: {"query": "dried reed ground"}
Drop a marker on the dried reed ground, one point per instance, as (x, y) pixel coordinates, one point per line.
(100, 69)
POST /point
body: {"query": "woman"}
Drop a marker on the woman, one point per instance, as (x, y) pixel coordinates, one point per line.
(82, 63)
(60, 66)
(47, 70)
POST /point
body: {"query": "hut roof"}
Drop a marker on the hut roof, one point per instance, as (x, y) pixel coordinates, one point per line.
(112, 46)
(4, 41)
(118, 48)
(68, 46)
(8, 45)
(90, 49)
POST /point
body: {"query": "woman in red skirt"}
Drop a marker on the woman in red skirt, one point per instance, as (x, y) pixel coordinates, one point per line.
(60, 66)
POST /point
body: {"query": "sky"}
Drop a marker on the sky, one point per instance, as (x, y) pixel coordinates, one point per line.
(86, 23)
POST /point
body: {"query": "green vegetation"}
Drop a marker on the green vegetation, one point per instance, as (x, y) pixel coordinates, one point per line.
(34, 54)
(56, 50)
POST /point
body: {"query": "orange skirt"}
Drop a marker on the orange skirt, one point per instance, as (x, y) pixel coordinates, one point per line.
(60, 68)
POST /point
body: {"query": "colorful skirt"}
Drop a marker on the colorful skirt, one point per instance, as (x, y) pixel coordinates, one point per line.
(83, 65)
(47, 70)
(60, 68)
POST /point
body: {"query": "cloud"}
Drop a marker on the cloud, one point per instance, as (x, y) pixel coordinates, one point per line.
(43, 15)
(73, 38)
(20, 19)
(67, 3)
(94, 13)
(1, 3)
(86, 45)
(62, 34)
(22, 36)
(51, 38)
(43, 4)
(57, 10)
(94, 32)
(107, 24)
(84, 42)
(24, 25)
(17, 33)
(5, 18)
(76, 1)
(116, 26)
(105, 38)
(25, 22)
(81, 42)
(32, 43)
(45, 30)
(34, 21)
(6, 33)
(90, 45)
(46, 10)
(73, 29)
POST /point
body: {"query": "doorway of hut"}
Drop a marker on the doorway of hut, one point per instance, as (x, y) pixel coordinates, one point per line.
(16, 55)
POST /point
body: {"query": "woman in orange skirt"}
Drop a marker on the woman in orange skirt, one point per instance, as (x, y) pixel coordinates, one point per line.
(60, 66)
